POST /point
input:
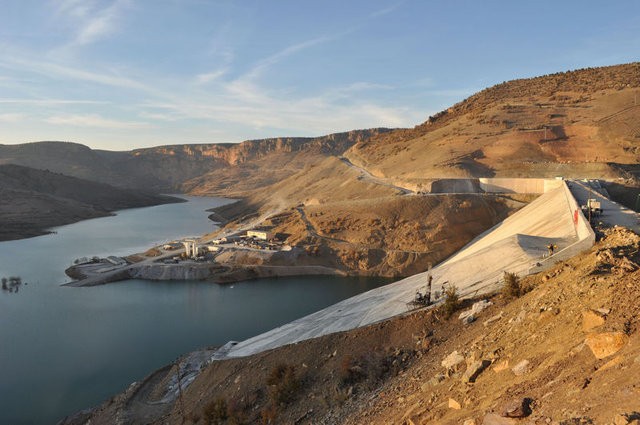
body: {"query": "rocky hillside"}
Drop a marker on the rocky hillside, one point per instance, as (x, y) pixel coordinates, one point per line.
(166, 168)
(567, 351)
(32, 201)
(576, 124)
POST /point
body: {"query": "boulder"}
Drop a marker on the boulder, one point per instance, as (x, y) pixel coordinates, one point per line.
(474, 370)
(452, 360)
(503, 365)
(521, 368)
(519, 408)
(591, 320)
(453, 404)
(469, 319)
(475, 309)
(607, 343)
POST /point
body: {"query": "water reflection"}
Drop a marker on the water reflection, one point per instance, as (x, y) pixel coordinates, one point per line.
(67, 349)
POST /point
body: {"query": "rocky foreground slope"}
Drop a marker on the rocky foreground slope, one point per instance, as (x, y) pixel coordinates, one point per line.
(565, 352)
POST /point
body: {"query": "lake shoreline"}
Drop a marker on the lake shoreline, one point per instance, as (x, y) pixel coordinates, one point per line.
(28, 227)
(214, 273)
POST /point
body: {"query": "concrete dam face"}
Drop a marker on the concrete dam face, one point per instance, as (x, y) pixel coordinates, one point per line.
(517, 245)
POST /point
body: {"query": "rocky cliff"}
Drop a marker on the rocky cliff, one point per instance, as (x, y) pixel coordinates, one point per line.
(165, 168)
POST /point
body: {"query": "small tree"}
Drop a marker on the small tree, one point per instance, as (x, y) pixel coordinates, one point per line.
(451, 300)
(511, 285)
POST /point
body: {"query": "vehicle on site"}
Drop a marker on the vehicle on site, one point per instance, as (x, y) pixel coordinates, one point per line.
(593, 208)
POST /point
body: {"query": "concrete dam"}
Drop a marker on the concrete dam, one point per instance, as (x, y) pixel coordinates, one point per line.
(518, 245)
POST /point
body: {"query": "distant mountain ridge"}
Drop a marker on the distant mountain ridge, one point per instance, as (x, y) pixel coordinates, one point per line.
(165, 168)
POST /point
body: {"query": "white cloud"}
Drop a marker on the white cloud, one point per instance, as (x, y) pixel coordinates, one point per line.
(269, 61)
(210, 76)
(6, 118)
(49, 102)
(92, 120)
(52, 69)
(385, 11)
(91, 22)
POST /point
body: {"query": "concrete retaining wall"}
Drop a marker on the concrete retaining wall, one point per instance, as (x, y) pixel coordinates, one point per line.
(456, 186)
(505, 185)
(494, 185)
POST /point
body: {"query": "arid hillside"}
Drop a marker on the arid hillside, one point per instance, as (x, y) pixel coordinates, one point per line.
(575, 124)
(166, 168)
(33, 200)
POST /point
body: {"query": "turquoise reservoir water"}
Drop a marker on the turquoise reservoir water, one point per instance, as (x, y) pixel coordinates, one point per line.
(65, 349)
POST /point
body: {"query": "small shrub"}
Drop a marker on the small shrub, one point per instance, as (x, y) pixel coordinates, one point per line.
(451, 301)
(219, 412)
(351, 371)
(284, 384)
(268, 414)
(511, 285)
(215, 413)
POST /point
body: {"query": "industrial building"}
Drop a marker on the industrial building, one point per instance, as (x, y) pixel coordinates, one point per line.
(190, 248)
(260, 233)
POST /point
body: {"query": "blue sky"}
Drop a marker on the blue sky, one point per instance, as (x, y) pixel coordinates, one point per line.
(121, 74)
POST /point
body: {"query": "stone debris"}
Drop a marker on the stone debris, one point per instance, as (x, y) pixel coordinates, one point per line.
(439, 377)
(521, 368)
(453, 404)
(519, 318)
(452, 360)
(492, 319)
(475, 309)
(493, 419)
(474, 370)
(469, 319)
(591, 320)
(499, 367)
(626, 419)
(517, 408)
(607, 343)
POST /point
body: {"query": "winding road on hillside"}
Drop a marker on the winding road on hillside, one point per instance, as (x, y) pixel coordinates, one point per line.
(377, 180)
